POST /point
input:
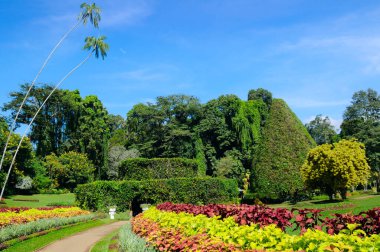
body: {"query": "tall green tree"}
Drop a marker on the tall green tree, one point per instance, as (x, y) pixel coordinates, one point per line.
(361, 120)
(94, 132)
(321, 130)
(91, 12)
(166, 128)
(56, 124)
(98, 47)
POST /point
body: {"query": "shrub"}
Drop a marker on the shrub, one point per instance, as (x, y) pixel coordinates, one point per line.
(336, 167)
(157, 168)
(100, 195)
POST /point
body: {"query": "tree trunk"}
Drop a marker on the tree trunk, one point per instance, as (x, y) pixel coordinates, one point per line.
(343, 193)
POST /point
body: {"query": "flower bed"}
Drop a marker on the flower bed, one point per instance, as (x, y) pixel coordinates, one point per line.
(11, 216)
(171, 231)
(298, 219)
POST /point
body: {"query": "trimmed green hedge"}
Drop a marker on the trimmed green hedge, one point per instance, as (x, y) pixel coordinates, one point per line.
(281, 153)
(157, 168)
(100, 195)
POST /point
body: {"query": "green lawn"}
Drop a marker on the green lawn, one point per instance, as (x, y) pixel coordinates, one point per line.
(43, 200)
(38, 242)
(104, 244)
(354, 204)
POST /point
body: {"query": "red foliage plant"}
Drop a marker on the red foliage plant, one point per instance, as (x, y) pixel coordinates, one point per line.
(243, 214)
(369, 222)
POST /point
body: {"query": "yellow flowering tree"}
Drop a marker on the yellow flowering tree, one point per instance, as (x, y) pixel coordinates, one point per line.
(336, 167)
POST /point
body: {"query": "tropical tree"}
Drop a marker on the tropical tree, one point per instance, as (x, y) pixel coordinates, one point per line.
(321, 130)
(96, 46)
(361, 120)
(89, 12)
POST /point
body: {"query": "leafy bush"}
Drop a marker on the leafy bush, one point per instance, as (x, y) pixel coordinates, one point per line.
(157, 168)
(368, 221)
(100, 195)
(70, 169)
(336, 167)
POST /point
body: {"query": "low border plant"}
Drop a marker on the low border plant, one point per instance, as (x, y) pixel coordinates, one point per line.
(130, 242)
(14, 231)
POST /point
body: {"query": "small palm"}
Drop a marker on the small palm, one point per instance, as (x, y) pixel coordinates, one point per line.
(91, 12)
(97, 45)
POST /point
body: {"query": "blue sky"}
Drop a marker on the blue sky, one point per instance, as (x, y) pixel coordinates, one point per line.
(312, 54)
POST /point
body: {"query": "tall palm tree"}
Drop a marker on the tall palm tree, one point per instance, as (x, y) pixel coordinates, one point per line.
(96, 46)
(89, 12)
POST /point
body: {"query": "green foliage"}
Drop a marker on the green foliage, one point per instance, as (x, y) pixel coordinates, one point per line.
(69, 169)
(260, 94)
(216, 129)
(361, 120)
(281, 153)
(116, 155)
(336, 167)
(157, 168)
(23, 168)
(94, 133)
(321, 130)
(200, 157)
(164, 129)
(99, 195)
(230, 167)
(57, 122)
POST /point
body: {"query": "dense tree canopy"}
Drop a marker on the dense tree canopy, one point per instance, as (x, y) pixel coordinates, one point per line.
(361, 120)
(69, 169)
(164, 129)
(321, 130)
(23, 166)
(336, 167)
(227, 136)
(66, 123)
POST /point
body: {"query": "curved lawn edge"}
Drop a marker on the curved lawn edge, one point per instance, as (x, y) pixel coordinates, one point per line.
(103, 244)
(40, 242)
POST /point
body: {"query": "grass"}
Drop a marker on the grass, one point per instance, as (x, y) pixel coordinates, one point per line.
(353, 204)
(38, 242)
(43, 200)
(104, 244)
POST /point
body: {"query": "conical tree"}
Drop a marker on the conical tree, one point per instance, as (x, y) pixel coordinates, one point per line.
(96, 46)
(89, 12)
(281, 153)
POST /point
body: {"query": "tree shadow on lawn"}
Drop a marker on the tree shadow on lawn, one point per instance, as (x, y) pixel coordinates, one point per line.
(323, 202)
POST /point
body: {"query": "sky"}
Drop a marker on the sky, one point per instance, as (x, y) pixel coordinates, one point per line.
(312, 54)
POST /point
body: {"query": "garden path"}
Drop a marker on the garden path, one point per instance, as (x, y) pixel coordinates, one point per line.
(83, 241)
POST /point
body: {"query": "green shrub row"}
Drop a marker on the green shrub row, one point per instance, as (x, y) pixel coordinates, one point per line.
(100, 195)
(157, 168)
